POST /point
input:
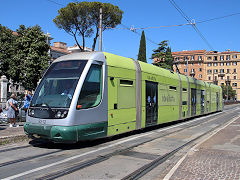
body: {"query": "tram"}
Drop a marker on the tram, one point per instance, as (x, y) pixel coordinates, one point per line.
(91, 95)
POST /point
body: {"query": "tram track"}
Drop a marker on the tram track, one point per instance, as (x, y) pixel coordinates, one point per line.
(139, 172)
(98, 159)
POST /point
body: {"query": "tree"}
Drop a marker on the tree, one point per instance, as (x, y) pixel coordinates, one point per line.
(82, 19)
(169, 58)
(31, 56)
(7, 41)
(162, 56)
(228, 92)
(142, 49)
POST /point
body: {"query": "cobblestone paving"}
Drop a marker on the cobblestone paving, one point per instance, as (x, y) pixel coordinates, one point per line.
(208, 164)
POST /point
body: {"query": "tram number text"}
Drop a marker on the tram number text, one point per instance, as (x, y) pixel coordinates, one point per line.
(42, 121)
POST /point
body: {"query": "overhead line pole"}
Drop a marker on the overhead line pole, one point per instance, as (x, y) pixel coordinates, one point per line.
(100, 30)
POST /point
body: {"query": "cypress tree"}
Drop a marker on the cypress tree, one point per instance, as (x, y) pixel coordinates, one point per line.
(142, 49)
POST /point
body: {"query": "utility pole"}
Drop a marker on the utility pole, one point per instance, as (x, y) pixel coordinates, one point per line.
(100, 31)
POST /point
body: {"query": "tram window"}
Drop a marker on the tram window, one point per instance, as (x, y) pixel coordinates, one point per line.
(172, 88)
(91, 92)
(184, 103)
(184, 89)
(126, 83)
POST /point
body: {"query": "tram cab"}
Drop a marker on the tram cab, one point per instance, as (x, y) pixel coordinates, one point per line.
(71, 93)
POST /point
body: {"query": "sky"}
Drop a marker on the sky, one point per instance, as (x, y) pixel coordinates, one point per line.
(221, 33)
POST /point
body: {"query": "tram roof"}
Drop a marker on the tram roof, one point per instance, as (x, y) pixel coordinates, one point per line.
(98, 56)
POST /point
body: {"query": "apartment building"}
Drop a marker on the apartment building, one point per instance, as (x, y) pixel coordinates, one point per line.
(210, 66)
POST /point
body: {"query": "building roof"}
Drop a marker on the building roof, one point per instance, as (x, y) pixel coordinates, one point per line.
(60, 50)
(189, 52)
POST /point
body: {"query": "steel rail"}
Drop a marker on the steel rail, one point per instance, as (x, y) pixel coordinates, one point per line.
(154, 163)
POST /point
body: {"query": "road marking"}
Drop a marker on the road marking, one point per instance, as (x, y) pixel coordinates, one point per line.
(94, 151)
(173, 170)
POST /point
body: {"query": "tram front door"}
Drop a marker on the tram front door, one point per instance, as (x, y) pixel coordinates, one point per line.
(151, 103)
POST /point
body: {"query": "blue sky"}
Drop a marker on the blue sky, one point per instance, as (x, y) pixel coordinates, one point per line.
(222, 34)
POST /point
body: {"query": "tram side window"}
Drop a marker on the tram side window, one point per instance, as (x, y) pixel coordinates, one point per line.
(90, 95)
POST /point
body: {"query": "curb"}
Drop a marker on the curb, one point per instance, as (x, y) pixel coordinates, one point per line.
(12, 139)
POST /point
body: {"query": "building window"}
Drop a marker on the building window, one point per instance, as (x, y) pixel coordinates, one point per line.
(234, 63)
(177, 58)
(221, 64)
(209, 71)
(209, 64)
(215, 58)
(192, 58)
(215, 71)
(221, 58)
(200, 69)
(185, 58)
(234, 56)
(234, 84)
(209, 78)
(228, 71)
(209, 58)
(228, 63)
(215, 78)
(199, 58)
(199, 64)
(222, 84)
(234, 70)
(221, 77)
(228, 57)
(200, 76)
(228, 77)
(185, 70)
(221, 70)
(215, 64)
(234, 77)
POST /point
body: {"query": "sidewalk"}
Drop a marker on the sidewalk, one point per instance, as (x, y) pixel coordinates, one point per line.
(217, 157)
(8, 134)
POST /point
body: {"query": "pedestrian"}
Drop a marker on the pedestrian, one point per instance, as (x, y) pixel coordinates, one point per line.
(28, 98)
(12, 110)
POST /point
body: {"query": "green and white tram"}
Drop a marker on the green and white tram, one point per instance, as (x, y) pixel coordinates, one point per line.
(91, 95)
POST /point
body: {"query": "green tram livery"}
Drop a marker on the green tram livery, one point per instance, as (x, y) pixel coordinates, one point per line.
(91, 95)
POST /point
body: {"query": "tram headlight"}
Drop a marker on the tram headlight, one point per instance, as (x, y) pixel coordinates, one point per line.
(31, 112)
(59, 114)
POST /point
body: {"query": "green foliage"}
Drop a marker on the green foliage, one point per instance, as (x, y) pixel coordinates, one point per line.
(82, 19)
(163, 55)
(228, 92)
(7, 41)
(31, 56)
(142, 49)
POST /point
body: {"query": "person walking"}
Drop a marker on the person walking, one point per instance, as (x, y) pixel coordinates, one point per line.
(12, 110)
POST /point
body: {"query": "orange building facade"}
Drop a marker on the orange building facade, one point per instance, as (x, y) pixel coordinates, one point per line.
(210, 66)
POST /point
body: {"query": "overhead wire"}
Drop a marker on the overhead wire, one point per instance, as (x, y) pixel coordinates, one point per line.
(189, 20)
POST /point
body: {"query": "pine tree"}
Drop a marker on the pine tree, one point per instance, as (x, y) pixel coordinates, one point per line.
(142, 49)
(169, 58)
(163, 56)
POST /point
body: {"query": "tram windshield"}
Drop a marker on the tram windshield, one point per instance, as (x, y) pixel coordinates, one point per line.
(58, 85)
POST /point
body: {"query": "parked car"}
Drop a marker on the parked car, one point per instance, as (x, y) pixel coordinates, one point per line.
(3, 116)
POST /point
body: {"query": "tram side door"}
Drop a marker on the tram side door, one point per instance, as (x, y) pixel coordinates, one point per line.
(193, 101)
(202, 101)
(151, 103)
(217, 98)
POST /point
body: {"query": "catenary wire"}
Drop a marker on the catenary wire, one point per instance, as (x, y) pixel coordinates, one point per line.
(189, 20)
